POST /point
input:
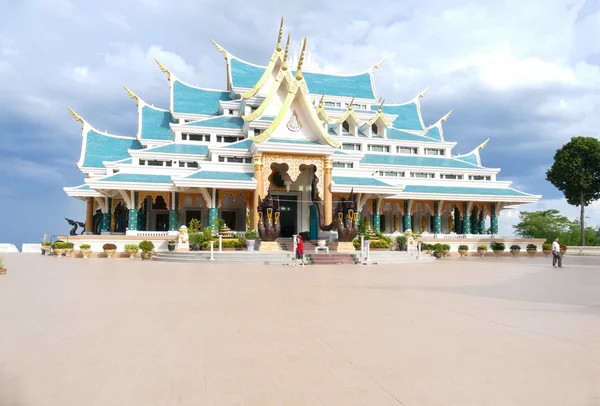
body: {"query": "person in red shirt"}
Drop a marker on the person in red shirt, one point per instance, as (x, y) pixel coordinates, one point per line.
(300, 250)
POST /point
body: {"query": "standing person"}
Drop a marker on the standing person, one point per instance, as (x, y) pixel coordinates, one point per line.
(556, 256)
(300, 251)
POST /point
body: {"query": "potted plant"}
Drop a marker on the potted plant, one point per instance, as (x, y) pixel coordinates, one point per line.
(171, 244)
(445, 249)
(131, 249)
(59, 248)
(2, 268)
(85, 250)
(436, 247)
(462, 250)
(531, 249)
(146, 247)
(515, 250)
(426, 248)
(497, 247)
(563, 249)
(402, 243)
(547, 249)
(437, 252)
(46, 247)
(109, 249)
(482, 249)
(251, 236)
(69, 246)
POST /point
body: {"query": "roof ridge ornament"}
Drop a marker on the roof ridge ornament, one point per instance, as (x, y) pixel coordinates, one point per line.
(321, 101)
(132, 95)
(285, 54)
(351, 103)
(424, 92)
(301, 61)
(482, 146)
(164, 69)
(77, 117)
(280, 36)
(381, 105)
(219, 48)
(378, 64)
(445, 118)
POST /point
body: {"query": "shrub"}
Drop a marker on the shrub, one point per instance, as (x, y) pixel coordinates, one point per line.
(446, 247)
(497, 246)
(482, 247)
(356, 243)
(425, 247)
(237, 243)
(109, 246)
(463, 247)
(46, 244)
(147, 246)
(532, 247)
(379, 244)
(546, 246)
(437, 247)
(515, 247)
(1, 262)
(131, 247)
(401, 240)
(85, 246)
(171, 242)
(59, 245)
(195, 238)
(194, 226)
(220, 223)
(69, 245)
(251, 235)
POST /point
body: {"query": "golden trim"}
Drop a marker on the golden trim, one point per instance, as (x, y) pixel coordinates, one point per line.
(294, 162)
(219, 47)
(256, 113)
(194, 197)
(443, 119)
(377, 65)
(280, 35)
(132, 95)
(164, 69)
(77, 117)
(423, 93)
(301, 61)
(285, 54)
(154, 195)
(317, 123)
(482, 146)
(280, 115)
(347, 114)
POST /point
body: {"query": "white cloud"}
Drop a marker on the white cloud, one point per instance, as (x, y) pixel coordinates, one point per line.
(118, 20)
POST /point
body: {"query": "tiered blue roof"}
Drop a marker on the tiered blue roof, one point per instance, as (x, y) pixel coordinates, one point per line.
(103, 147)
(219, 122)
(218, 175)
(408, 115)
(177, 148)
(396, 134)
(193, 100)
(470, 158)
(434, 132)
(349, 181)
(411, 160)
(137, 178)
(246, 75)
(460, 190)
(245, 144)
(155, 124)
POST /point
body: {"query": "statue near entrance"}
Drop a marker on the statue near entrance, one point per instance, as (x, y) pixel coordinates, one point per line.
(183, 239)
(344, 219)
(269, 227)
(75, 224)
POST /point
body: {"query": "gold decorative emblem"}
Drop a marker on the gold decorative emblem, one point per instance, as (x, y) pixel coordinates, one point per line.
(294, 124)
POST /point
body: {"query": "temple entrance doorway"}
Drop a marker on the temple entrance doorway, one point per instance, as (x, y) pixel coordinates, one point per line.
(289, 214)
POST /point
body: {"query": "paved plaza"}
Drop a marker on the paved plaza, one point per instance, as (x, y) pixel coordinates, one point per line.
(452, 332)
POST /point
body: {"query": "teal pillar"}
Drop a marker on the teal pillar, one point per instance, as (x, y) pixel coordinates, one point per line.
(357, 216)
(105, 225)
(474, 223)
(173, 213)
(482, 229)
(457, 222)
(466, 226)
(407, 217)
(213, 215)
(494, 220)
(437, 219)
(141, 221)
(376, 217)
(133, 213)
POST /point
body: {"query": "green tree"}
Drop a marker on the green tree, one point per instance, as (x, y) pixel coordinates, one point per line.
(547, 224)
(576, 173)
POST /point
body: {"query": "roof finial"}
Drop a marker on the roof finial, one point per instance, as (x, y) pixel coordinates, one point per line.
(280, 35)
(321, 101)
(219, 48)
(378, 64)
(164, 69)
(301, 60)
(77, 117)
(423, 93)
(285, 54)
(381, 105)
(351, 103)
(132, 95)
(482, 146)
(446, 116)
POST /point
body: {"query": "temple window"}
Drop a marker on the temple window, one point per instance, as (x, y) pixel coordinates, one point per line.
(422, 175)
(434, 151)
(257, 131)
(346, 126)
(374, 129)
(329, 104)
(408, 150)
(343, 165)
(451, 176)
(391, 174)
(188, 164)
(228, 138)
(235, 159)
(142, 162)
(479, 177)
(195, 137)
(351, 147)
(379, 148)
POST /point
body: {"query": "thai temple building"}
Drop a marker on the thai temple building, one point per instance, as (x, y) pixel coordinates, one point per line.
(289, 128)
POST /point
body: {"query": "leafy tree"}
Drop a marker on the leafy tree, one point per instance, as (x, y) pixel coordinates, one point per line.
(547, 224)
(576, 173)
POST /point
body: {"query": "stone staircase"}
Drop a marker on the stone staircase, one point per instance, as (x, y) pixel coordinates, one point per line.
(396, 257)
(228, 257)
(333, 258)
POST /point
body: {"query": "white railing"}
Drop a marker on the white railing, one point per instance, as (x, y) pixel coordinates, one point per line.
(32, 248)
(153, 233)
(581, 251)
(8, 248)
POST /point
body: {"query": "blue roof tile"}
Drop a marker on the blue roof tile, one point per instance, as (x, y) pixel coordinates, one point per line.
(102, 147)
(396, 134)
(288, 141)
(459, 190)
(219, 122)
(185, 149)
(409, 160)
(434, 133)
(245, 144)
(247, 75)
(155, 124)
(222, 175)
(351, 181)
(191, 100)
(471, 158)
(138, 178)
(408, 115)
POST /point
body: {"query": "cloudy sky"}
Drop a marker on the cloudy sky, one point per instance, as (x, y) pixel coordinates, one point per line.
(525, 73)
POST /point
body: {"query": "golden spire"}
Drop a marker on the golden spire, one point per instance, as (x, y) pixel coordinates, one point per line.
(301, 61)
(446, 116)
(285, 54)
(482, 146)
(381, 105)
(377, 65)
(423, 93)
(351, 103)
(280, 35)
(321, 101)
(219, 48)
(164, 69)
(132, 95)
(77, 117)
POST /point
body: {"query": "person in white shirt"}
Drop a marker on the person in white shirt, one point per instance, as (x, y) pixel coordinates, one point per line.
(556, 256)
